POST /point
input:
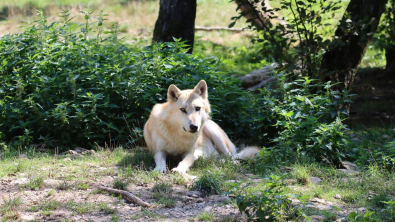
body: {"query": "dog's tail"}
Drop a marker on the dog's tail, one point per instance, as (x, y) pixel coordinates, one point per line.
(247, 152)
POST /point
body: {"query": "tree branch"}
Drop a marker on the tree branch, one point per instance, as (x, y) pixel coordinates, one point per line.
(125, 194)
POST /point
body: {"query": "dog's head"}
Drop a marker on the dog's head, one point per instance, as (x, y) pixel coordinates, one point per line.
(192, 104)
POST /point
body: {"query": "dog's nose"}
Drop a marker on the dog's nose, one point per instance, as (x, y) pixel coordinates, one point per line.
(193, 128)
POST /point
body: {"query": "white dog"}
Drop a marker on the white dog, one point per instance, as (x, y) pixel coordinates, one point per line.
(182, 127)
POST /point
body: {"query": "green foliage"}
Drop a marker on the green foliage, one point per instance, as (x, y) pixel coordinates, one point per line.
(386, 29)
(300, 41)
(307, 124)
(361, 217)
(380, 200)
(77, 84)
(235, 59)
(208, 183)
(374, 147)
(390, 205)
(268, 205)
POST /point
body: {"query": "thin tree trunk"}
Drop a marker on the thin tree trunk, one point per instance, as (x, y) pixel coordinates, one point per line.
(341, 63)
(254, 16)
(390, 58)
(176, 19)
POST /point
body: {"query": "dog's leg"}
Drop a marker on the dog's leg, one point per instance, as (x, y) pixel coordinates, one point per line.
(222, 142)
(160, 160)
(184, 165)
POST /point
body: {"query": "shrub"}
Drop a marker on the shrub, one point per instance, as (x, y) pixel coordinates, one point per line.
(308, 119)
(64, 85)
(61, 84)
(268, 205)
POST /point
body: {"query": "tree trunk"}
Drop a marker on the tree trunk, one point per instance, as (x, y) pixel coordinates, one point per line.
(390, 58)
(176, 19)
(355, 32)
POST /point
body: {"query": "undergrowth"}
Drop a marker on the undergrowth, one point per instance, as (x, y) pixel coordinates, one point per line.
(78, 84)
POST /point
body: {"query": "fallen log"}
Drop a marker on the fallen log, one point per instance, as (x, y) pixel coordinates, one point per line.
(256, 77)
(127, 195)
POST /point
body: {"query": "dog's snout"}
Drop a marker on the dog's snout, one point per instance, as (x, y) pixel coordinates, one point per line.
(193, 128)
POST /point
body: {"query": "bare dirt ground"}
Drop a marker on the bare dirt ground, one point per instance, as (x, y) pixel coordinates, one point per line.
(73, 204)
(62, 198)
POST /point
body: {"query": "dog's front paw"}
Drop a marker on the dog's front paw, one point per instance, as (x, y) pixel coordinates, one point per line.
(179, 170)
(160, 169)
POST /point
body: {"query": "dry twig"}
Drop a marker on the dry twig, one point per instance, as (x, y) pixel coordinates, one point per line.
(125, 194)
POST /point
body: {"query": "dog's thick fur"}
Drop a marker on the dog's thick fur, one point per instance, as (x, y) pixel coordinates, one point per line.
(182, 127)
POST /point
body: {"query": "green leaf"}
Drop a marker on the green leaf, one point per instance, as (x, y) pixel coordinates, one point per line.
(287, 114)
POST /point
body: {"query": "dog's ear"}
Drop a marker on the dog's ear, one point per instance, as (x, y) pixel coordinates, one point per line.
(173, 93)
(201, 89)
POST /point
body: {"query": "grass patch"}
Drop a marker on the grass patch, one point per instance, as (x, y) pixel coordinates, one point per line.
(9, 208)
(163, 193)
(301, 175)
(379, 200)
(208, 183)
(115, 218)
(36, 183)
(226, 167)
(64, 185)
(103, 207)
(82, 186)
(147, 214)
(165, 188)
(50, 193)
(142, 160)
(120, 184)
(80, 208)
(49, 205)
(206, 216)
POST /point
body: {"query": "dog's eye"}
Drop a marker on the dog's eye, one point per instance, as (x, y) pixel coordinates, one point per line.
(197, 108)
(183, 110)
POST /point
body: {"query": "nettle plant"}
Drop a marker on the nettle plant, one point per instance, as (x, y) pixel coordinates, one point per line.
(308, 120)
(269, 204)
(68, 83)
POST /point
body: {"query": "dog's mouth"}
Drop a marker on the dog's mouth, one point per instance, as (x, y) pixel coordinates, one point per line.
(190, 131)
